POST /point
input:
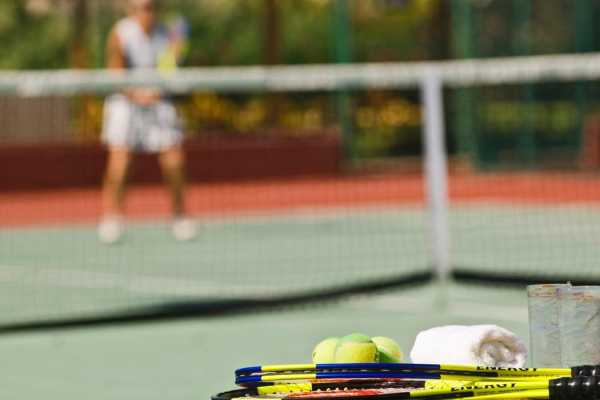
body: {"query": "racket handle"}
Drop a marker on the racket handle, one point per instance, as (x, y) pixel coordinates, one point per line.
(580, 388)
(585, 370)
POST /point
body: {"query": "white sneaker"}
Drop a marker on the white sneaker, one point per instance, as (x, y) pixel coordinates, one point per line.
(111, 229)
(183, 229)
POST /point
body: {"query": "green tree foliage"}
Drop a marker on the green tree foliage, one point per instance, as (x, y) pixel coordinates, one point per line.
(394, 30)
(224, 32)
(32, 41)
(306, 33)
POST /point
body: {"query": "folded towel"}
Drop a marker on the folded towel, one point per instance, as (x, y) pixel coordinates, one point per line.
(486, 345)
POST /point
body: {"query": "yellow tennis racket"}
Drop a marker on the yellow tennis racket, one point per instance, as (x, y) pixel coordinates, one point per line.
(579, 388)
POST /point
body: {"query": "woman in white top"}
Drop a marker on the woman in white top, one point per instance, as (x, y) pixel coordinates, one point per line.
(141, 119)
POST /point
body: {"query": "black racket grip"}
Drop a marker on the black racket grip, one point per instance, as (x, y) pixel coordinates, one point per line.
(580, 388)
(585, 370)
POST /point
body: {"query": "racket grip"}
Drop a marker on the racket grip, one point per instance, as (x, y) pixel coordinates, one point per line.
(580, 388)
(585, 370)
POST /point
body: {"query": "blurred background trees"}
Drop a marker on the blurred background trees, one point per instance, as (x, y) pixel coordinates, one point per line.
(48, 34)
(33, 37)
(71, 33)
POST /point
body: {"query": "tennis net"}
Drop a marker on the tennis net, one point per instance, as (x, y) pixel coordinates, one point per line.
(307, 183)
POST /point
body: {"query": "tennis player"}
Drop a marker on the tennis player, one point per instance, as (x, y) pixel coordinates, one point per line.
(141, 120)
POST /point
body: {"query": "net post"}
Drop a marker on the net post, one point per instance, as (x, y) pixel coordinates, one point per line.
(436, 178)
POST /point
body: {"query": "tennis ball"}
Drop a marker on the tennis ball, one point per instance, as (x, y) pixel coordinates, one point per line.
(356, 348)
(324, 352)
(389, 350)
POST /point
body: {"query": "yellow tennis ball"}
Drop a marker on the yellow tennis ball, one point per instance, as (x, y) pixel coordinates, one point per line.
(356, 348)
(389, 350)
(324, 352)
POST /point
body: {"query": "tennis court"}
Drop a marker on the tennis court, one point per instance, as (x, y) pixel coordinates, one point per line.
(190, 187)
(280, 263)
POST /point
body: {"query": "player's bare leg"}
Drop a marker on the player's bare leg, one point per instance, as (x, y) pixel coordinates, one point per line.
(172, 162)
(111, 227)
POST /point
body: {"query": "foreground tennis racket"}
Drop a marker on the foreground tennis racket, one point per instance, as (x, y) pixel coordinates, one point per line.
(252, 376)
(259, 380)
(442, 369)
(369, 394)
(580, 388)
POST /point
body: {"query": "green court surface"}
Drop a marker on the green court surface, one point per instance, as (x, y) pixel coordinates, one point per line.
(193, 359)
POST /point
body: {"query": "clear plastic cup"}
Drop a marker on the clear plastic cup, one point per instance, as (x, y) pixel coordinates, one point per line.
(580, 326)
(544, 324)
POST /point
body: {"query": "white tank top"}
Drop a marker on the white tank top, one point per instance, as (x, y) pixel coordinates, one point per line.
(141, 49)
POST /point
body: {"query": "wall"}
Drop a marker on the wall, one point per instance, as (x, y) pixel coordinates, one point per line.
(49, 166)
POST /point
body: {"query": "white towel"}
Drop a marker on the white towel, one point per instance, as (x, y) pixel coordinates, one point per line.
(486, 345)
